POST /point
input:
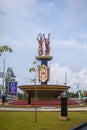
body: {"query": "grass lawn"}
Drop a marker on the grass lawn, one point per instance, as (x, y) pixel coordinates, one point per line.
(45, 121)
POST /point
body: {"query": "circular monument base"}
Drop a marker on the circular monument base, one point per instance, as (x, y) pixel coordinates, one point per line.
(44, 90)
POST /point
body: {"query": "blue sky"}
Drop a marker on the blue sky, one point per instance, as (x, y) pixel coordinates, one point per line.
(66, 21)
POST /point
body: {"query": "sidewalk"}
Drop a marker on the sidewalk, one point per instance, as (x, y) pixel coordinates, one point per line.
(42, 109)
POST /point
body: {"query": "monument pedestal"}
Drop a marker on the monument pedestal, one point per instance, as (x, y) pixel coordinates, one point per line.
(64, 118)
(44, 69)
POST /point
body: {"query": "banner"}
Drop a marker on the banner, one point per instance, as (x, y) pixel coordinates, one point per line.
(43, 73)
(12, 87)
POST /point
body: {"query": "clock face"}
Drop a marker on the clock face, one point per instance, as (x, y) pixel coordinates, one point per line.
(43, 73)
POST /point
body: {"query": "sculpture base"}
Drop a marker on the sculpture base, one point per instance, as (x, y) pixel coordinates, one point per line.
(44, 90)
(47, 57)
(64, 118)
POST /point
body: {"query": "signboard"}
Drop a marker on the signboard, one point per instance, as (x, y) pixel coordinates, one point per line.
(64, 106)
(43, 73)
(12, 87)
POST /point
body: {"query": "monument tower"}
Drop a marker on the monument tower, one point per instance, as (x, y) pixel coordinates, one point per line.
(44, 89)
(44, 57)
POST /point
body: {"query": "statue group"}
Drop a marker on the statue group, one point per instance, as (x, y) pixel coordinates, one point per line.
(43, 40)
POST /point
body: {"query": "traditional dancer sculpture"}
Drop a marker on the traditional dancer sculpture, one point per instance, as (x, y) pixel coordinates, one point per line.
(47, 43)
(40, 39)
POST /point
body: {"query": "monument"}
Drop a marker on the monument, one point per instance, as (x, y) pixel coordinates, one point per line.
(44, 57)
(44, 89)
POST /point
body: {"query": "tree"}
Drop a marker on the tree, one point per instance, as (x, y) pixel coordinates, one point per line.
(22, 96)
(10, 76)
(5, 48)
(35, 69)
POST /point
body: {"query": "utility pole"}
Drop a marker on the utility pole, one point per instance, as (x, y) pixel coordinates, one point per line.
(65, 78)
(4, 76)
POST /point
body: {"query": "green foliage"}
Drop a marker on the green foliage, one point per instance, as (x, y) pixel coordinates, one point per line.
(22, 96)
(46, 120)
(35, 62)
(34, 69)
(72, 94)
(5, 48)
(10, 76)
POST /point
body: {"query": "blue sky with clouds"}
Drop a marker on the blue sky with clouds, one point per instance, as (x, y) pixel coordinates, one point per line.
(66, 21)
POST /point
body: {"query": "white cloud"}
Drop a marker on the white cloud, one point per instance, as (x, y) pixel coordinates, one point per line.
(75, 14)
(17, 43)
(25, 9)
(83, 35)
(17, 10)
(75, 5)
(69, 43)
(15, 5)
(73, 78)
(45, 6)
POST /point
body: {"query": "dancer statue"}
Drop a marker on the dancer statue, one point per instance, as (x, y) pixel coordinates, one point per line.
(47, 44)
(40, 39)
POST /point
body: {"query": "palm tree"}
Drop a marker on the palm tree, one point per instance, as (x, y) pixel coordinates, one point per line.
(5, 48)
